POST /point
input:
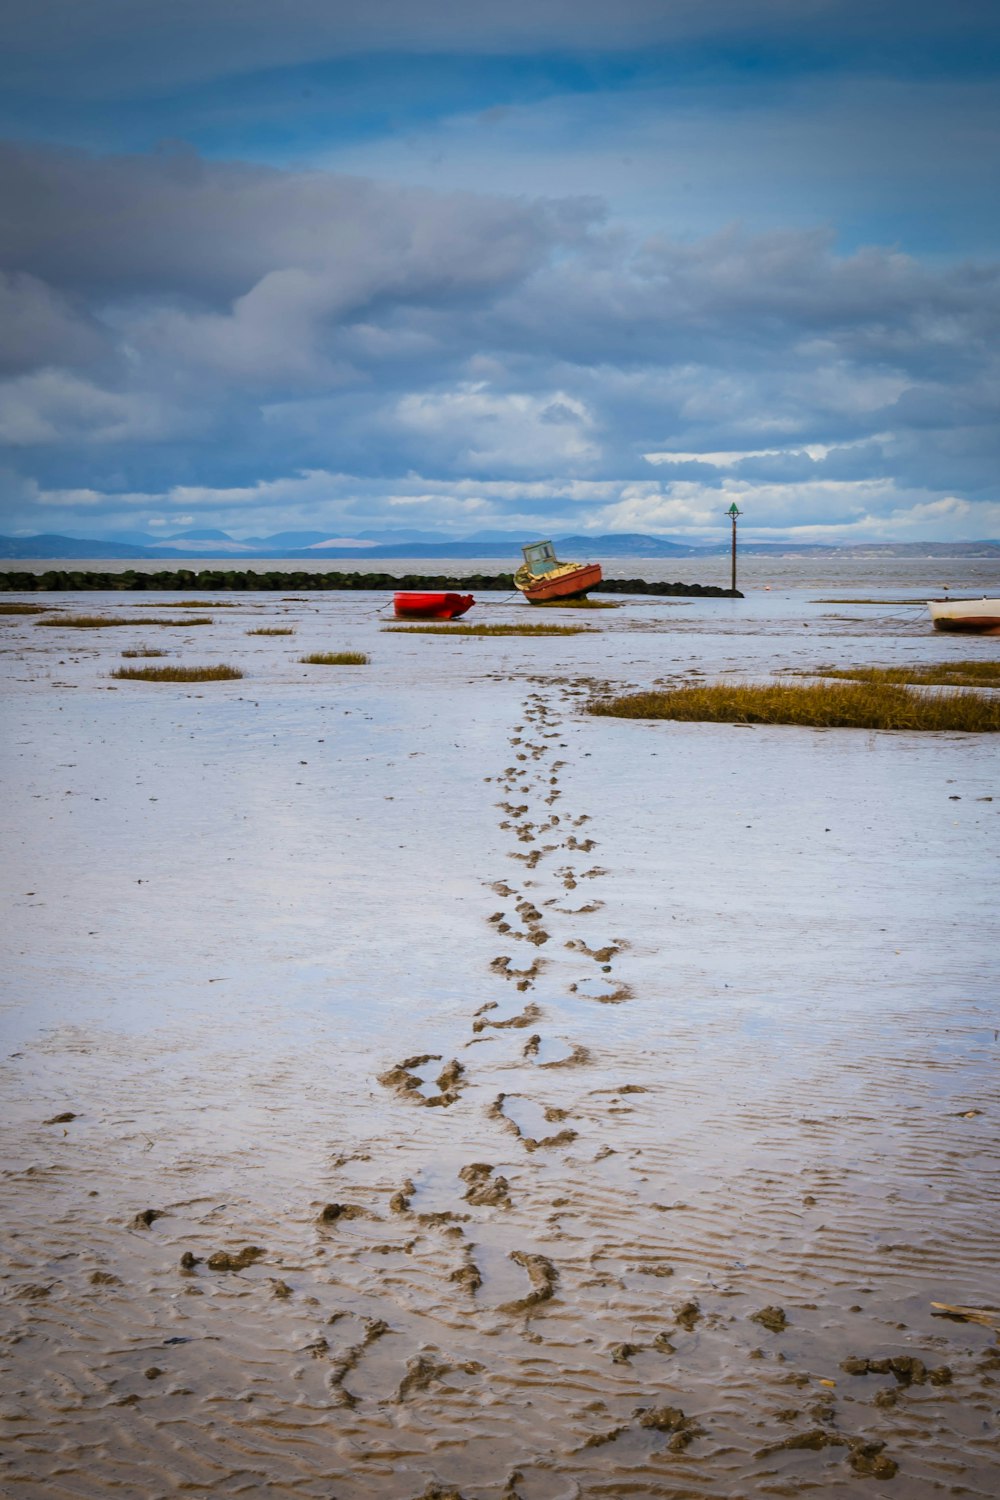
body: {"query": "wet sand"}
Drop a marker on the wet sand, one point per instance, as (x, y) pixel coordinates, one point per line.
(418, 1088)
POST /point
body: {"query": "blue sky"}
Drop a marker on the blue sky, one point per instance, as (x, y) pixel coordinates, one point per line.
(588, 266)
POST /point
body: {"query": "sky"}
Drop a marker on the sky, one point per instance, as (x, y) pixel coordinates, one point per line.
(457, 269)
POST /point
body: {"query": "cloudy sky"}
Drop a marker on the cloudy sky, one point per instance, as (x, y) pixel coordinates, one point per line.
(453, 267)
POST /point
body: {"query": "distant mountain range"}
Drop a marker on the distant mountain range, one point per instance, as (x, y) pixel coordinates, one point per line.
(316, 545)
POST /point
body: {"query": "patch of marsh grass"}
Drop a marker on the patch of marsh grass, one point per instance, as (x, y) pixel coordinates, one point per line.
(841, 705)
(144, 651)
(22, 609)
(488, 629)
(103, 622)
(335, 659)
(930, 674)
(177, 674)
(272, 630)
(90, 622)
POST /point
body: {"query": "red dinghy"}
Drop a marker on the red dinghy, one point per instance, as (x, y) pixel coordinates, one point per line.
(429, 606)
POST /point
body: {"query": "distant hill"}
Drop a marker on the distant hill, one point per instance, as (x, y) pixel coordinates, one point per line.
(316, 546)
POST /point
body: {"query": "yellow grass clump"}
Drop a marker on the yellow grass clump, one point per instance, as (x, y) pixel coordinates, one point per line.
(177, 674)
(144, 651)
(930, 674)
(847, 705)
(488, 629)
(13, 608)
(272, 630)
(102, 622)
(335, 659)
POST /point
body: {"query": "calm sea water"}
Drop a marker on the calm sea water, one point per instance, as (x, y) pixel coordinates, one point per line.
(870, 576)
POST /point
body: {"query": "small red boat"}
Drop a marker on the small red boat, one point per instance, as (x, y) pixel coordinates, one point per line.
(431, 606)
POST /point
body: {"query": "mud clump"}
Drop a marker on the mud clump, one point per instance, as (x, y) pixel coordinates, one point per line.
(523, 1018)
(622, 1353)
(62, 1119)
(467, 1276)
(814, 1440)
(502, 965)
(671, 1419)
(868, 1458)
(543, 1277)
(598, 1439)
(423, 1370)
(484, 1190)
(906, 1368)
(449, 1084)
(332, 1212)
(687, 1314)
(223, 1261)
(402, 1077)
(146, 1217)
(399, 1203)
(771, 1318)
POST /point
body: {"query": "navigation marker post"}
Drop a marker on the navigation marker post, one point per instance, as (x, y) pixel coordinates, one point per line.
(732, 513)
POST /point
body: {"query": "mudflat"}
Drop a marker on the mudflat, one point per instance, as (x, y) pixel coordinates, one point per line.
(416, 1086)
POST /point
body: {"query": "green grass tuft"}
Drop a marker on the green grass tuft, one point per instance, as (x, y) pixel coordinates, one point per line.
(488, 629)
(177, 674)
(848, 705)
(272, 630)
(335, 659)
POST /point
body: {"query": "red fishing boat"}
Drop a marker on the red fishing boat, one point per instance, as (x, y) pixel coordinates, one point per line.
(542, 578)
(431, 606)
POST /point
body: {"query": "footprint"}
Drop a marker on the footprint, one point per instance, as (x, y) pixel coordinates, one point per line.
(526, 1017)
(344, 1363)
(408, 1083)
(524, 1117)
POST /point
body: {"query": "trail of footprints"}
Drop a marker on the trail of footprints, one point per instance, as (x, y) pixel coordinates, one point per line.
(526, 917)
(387, 1250)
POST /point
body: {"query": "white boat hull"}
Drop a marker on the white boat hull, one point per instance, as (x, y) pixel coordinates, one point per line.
(981, 615)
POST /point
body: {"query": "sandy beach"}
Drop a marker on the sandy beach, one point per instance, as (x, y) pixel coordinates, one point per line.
(417, 1087)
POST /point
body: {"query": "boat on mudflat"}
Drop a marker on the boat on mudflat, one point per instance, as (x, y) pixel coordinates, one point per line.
(981, 615)
(542, 578)
(431, 605)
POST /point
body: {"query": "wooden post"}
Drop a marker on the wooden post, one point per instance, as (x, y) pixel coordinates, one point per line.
(733, 512)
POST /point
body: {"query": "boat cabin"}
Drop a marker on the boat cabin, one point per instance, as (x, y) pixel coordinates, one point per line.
(540, 558)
